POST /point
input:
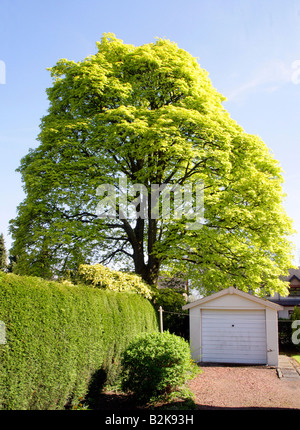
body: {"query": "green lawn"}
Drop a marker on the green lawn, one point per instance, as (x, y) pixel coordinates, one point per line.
(296, 357)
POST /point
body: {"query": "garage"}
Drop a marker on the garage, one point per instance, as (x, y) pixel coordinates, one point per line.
(232, 326)
(233, 336)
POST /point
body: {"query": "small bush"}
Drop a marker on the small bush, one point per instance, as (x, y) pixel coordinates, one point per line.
(155, 364)
(285, 334)
(296, 314)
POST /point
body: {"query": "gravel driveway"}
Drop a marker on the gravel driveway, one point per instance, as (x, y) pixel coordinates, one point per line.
(244, 387)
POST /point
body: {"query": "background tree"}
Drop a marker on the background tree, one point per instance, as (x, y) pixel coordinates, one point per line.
(3, 253)
(150, 114)
(175, 320)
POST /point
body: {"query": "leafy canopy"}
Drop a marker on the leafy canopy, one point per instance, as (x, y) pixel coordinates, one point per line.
(151, 115)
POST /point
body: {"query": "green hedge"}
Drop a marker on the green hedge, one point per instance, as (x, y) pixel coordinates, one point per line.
(60, 337)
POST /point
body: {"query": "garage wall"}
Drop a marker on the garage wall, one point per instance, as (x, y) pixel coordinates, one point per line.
(231, 301)
(272, 336)
(195, 333)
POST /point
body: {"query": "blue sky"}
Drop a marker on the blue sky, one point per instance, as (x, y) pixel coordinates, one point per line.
(251, 49)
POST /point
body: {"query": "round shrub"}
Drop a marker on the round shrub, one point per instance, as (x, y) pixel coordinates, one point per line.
(155, 364)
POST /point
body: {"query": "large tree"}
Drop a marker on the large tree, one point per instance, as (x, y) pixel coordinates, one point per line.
(151, 115)
(3, 253)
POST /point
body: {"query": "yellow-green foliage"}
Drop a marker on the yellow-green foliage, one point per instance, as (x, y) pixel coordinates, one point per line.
(59, 337)
(103, 277)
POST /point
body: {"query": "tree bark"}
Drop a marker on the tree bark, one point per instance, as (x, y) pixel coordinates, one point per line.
(148, 271)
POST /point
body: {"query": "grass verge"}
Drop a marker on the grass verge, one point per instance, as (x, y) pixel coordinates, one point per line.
(296, 357)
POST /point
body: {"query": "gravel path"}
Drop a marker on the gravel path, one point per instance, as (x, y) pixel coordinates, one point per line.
(244, 387)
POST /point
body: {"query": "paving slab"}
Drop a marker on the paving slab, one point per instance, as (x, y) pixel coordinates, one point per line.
(288, 368)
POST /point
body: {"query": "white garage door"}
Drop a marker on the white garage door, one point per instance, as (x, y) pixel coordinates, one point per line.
(234, 336)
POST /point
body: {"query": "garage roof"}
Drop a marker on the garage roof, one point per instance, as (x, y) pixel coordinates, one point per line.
(232, 290)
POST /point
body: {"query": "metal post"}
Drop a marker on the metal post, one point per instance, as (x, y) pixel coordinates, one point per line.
(161, 319)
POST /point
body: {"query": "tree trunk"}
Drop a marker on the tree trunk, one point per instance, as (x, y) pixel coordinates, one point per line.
(152, 270)
(153, 262)
(149, 272)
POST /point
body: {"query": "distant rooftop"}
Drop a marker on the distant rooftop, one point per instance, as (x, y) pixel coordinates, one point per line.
(292, 273)
(286, 301)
